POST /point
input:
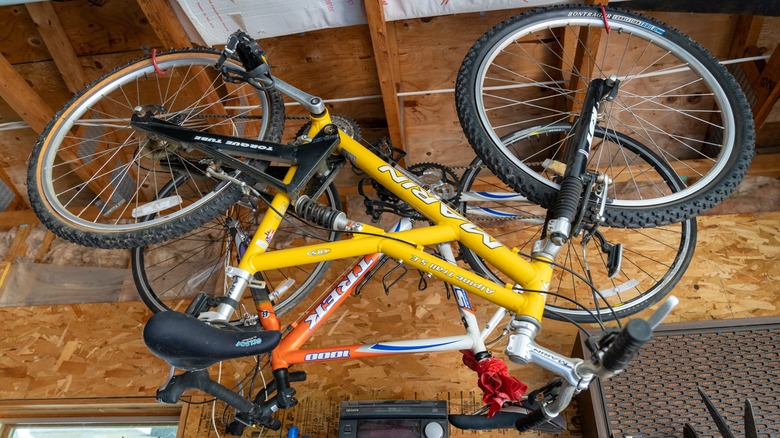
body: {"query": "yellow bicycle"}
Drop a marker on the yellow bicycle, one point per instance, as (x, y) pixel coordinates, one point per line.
(166, 144)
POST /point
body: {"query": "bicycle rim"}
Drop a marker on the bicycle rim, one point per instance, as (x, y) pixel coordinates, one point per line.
(96, 174)
(654, 259)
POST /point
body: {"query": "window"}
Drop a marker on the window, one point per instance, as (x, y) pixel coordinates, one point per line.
(94, 418)
(139, 429)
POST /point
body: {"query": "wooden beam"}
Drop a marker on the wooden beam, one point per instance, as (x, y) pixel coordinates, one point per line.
(44, 247)
(746, 34)
(56, 39)
(767, 89)
(19, 243)
(165, 23)
(384, 42)
(73, 74)
(34, 110)
(10, 219)
(22, 98)
(18, 201)
(587, 47)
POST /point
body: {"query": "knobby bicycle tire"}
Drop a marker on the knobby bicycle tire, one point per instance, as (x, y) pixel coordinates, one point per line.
(673, 96)
(654, 259)
(92, 177)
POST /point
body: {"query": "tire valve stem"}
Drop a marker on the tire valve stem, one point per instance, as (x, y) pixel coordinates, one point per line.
(284, 287)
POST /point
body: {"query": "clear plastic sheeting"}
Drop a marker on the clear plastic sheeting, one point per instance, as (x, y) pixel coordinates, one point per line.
(36, 284)
(215, 20)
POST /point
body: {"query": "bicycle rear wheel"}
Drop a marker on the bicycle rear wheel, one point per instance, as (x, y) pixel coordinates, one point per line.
(653, 259)
(167, 275)
(93, 177)
(673, 96)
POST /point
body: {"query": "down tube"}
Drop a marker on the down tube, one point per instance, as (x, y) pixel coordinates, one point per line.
(289, 351)
(396, 245)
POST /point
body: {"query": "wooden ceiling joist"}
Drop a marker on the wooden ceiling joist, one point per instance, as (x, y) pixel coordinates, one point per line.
(33, 109)
(583, 61)
(165, 23)
(56, 39)
(73, 74)
(22, 98)
(767, 89)
(763, 76)
(384, 42)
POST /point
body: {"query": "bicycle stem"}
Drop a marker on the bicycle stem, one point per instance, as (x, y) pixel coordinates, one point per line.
(577, 373)
(313, 104)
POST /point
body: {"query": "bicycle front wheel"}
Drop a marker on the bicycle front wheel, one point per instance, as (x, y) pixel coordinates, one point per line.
(167, 275)
(673, 96)
(92, 177)
(589, 283)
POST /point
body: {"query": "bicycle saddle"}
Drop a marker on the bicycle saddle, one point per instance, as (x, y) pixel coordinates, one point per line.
(191, 344)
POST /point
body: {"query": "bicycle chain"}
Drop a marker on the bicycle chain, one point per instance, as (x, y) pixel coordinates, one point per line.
(228, 116)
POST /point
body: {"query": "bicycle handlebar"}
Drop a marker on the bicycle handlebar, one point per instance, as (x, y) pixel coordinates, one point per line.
(578, 374)
(624, 348)
(535, 418)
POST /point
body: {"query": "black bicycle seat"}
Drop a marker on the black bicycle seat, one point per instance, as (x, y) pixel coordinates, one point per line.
(191, 344)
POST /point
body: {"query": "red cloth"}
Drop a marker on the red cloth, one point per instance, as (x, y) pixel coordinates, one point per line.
(493, 378)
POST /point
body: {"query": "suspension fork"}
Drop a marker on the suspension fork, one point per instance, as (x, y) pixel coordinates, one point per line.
(576, 159)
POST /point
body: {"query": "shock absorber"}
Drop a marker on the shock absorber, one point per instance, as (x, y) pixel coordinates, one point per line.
(321, 214)
(576, 159)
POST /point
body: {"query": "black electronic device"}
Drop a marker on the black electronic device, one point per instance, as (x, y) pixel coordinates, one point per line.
(393, 419)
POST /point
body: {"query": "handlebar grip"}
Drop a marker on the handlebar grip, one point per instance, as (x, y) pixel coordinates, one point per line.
(627, 344)
(533, 419)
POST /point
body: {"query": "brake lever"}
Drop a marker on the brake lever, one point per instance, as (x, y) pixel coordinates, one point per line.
(663, 311)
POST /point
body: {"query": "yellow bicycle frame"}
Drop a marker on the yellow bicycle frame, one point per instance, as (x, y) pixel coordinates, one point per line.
(407, 246)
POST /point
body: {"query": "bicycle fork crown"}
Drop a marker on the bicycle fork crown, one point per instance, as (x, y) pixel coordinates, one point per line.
(522, 349)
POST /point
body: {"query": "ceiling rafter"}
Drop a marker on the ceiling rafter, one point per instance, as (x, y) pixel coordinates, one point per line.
(63, 54)
(385, 46)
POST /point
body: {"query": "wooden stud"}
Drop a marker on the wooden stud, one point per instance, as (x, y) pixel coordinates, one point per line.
(10, 219)
(48, 238)
(384, 42)
(34, 110)
(584, 59)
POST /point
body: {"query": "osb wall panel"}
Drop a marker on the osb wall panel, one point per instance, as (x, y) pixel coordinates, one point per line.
(96, 351)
